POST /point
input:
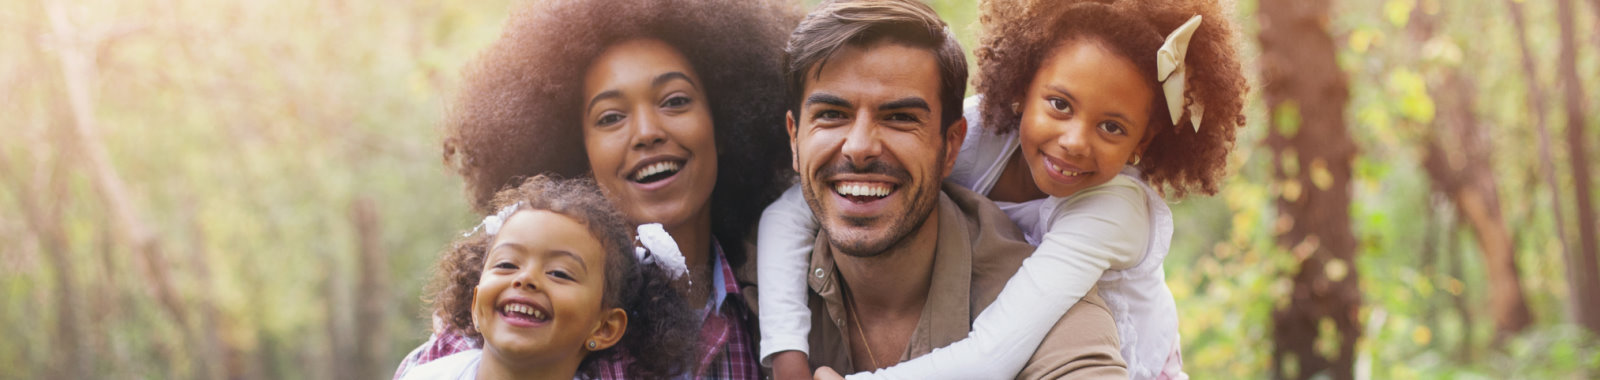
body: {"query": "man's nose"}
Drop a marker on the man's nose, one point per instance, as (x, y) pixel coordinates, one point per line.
(861, 145)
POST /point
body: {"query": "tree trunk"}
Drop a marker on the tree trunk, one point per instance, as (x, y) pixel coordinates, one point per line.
(1315, 335)
(1536, 102)
(1457, 160)
(371, 333)
(1582, 266)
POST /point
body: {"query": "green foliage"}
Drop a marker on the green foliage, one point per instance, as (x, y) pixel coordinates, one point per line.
(246, 131)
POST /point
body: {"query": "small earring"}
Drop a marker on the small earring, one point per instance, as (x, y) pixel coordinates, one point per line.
(1136, 160)
(592, 345)
(1016, 107)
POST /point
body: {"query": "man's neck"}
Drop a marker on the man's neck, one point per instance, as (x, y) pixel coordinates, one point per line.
(896, 281)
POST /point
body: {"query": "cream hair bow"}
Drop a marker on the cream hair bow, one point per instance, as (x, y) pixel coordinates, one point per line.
(1170, 71)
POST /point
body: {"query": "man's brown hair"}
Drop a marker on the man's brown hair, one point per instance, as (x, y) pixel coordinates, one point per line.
(836, 24)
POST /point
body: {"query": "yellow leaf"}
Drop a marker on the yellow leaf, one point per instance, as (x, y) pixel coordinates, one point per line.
(1336, 270)
(1320, 176)
(1422, 335)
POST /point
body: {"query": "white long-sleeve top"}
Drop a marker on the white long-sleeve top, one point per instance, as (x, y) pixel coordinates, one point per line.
(1114, 235)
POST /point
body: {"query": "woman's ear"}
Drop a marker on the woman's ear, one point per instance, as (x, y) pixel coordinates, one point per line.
(613, 323)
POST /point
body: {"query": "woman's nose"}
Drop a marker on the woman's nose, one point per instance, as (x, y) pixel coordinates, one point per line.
(647, 130)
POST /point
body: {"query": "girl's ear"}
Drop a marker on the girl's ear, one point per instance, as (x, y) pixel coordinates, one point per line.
(613, 323)
(473, 307)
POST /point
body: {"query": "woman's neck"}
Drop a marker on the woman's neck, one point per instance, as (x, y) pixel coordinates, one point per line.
(694, 240)
(496, 367)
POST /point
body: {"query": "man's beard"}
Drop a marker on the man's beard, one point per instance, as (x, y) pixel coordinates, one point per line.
(921, 201)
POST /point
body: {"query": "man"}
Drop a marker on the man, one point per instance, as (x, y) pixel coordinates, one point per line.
(903, 263)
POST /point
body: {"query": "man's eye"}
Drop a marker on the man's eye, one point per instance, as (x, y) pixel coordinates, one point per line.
(905, 117)
(1060, 104)
(828, 115)
(608, 118)
(1113, 128)
(677, 101)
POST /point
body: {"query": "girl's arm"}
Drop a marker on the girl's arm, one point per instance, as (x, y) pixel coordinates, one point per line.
(1101, 228)
(783, 248)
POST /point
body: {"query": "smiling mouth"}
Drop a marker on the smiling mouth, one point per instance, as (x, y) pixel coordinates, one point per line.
(525, 312)
(656, 172)
(863, 191)
(1066, 172)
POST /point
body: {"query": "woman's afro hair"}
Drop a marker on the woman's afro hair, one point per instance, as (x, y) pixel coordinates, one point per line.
(518, 112)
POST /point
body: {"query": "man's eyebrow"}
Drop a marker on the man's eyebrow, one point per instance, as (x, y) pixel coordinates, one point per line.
(669, 76)
(603, 96)
(910, 102)
(829, 99)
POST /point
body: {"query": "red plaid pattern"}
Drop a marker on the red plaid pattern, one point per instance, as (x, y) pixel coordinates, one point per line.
(725, 336)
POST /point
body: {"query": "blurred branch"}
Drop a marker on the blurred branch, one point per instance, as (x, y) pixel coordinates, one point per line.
(1582, 262)
(78, 78)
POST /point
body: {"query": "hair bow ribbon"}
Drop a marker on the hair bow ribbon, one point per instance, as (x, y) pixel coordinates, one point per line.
(1170, 71)
(660, 249)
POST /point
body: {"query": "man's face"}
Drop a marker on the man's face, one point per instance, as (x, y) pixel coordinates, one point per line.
(867, 144)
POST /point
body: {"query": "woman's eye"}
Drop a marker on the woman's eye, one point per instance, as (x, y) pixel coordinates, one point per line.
(609, 119)
(678, 101)
(828, 115)
(1113, 128)
(1060, 105)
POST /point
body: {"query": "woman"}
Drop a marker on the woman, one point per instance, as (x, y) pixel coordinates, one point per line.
(673, 106)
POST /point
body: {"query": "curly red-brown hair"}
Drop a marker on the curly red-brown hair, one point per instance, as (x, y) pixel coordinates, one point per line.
(518, 112)
(1019, 34)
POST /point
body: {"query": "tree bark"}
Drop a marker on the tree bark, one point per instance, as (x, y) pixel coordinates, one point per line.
(1315, 336)
(1458, 160)
(371, 333)
(1582, 265)
(1536, 102)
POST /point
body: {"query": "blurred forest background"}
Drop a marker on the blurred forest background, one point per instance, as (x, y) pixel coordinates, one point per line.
(240, 189)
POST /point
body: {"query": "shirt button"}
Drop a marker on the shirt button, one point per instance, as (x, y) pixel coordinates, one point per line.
(818, 272)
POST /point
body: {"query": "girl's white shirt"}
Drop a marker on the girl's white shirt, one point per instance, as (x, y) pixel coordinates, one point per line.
(1114, 235)
(458, 366)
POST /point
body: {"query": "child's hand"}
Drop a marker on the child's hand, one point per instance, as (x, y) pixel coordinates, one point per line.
(790, 365)
(826, 373)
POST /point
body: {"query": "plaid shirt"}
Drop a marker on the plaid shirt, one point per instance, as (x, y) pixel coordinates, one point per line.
(727, 344)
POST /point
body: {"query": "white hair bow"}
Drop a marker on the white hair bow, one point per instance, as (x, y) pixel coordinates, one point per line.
(659, 248)
(491, 224)
(1170, 71)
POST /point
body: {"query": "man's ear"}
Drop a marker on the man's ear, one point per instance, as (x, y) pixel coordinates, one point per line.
(794, 151)
(613, 323)
(953, 137)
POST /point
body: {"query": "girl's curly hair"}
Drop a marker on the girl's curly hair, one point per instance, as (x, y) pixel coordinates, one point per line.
(1018, 35)
(518, 112)
(660, 335)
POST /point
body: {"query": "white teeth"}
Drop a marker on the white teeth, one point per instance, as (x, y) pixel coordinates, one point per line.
(524, 310)
(656, 168)
(863, 189)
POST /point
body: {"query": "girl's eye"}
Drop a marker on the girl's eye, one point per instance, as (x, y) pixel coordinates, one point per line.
(608, 118)
(1060, 105)
(560, 274)
(828, 115)
(505, 265)
(1113, 128)
(677, 101)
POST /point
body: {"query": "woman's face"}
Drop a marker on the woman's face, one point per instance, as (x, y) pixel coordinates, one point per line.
(539, 300)
(1083, 118)
(647, 129)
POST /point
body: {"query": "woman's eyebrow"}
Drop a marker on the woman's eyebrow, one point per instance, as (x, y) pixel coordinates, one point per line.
(608, 94)
(669, 76)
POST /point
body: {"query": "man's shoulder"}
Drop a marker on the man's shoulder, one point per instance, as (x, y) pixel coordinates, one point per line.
(1083, 344)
